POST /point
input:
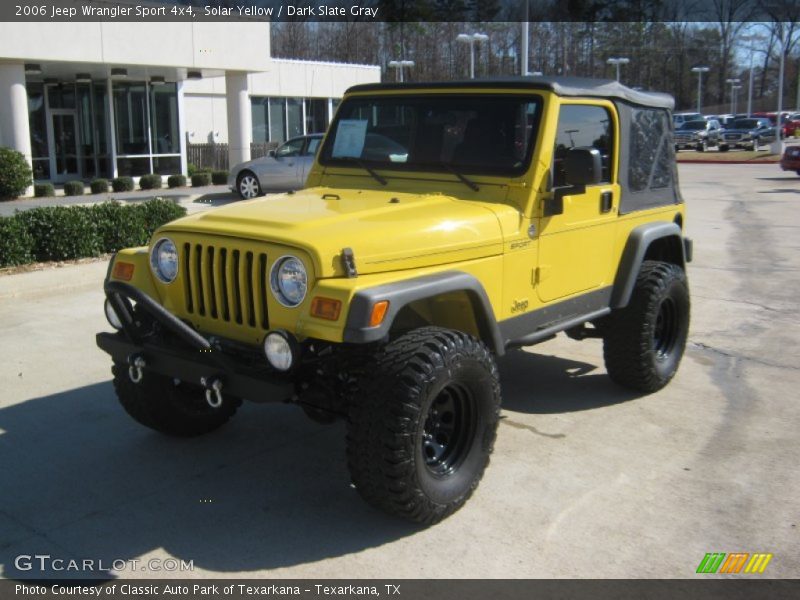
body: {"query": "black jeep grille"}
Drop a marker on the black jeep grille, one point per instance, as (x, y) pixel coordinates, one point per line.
(226, 284)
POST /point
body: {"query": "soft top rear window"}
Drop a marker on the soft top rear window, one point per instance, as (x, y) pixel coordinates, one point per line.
(492, 134)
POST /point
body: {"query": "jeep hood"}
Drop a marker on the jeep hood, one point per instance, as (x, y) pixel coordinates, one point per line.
(386, 230)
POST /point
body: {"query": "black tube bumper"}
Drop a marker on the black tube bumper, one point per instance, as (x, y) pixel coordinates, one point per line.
(196, 362)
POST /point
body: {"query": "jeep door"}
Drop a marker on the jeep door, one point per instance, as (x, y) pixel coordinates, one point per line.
(576, 246)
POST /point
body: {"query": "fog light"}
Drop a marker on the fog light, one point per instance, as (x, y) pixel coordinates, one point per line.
(112, 316)
(280, 348)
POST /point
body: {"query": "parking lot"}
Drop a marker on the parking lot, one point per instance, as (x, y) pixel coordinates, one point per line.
(587, 479)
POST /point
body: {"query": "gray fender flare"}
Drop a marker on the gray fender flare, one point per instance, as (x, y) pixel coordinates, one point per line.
(633, 256)
(402, 293)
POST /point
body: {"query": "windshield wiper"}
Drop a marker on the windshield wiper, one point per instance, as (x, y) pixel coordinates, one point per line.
(380, 179)
(468, 182)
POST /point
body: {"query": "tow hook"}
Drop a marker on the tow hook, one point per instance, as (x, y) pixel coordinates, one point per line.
(137, 363)
(213, 387)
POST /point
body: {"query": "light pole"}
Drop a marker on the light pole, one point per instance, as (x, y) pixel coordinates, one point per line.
(699, 71)
(777, 145)
(752, 39)
(735, 91)
(617, 62)
(472, 39)
(732, 83)
(400, 65)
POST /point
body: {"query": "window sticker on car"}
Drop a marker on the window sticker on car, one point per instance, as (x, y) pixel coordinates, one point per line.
(350, 136)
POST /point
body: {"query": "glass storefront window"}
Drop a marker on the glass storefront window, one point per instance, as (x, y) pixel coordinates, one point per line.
(167, 165)
(259, 110)
(164, 119)
(130, 111)
(277, 120)
(294, 116)
(62, 95)
(316, 115)
(133, 167)
(38, 123)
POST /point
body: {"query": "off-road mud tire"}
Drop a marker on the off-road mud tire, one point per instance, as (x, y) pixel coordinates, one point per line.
(177, 410)
(644, 342)
(393, 448)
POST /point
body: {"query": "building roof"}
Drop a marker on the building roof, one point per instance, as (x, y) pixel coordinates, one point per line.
(563, 86)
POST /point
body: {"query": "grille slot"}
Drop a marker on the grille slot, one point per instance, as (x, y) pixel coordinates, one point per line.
(226, 284)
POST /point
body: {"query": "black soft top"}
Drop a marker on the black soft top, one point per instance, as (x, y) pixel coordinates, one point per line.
(562, 86)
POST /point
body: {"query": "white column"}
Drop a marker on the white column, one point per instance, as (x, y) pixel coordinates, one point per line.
(15, 130)
(240, 129)
(182, 127)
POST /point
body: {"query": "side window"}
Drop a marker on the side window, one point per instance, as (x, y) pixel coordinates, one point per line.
(583, 126)
(311, 148)
(651, 156)
(290, 148)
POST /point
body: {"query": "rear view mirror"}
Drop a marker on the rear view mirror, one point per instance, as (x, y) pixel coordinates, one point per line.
(582, 166)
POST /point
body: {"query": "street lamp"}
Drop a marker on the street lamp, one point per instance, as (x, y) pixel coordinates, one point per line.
(732, 83)
(617, 62)
(735, 91)
(400, 65)
(752, 39)
(699, 71)
(471, 39)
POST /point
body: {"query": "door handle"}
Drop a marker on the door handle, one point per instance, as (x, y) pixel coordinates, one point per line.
(606, 201)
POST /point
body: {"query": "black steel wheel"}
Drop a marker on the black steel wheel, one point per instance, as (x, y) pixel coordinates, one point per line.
(170, 407)
(422, 422)
(247, 185)
(644, 342)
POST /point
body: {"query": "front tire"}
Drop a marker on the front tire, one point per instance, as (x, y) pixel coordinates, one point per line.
(177, 410)
(422, 423)
(248, 186)
(644, 342)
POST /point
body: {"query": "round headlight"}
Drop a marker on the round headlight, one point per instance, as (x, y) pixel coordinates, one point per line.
(164, 260)
(112, 316)
(280, 350)
(289, 281)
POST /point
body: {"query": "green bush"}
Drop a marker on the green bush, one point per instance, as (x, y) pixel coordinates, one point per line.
(99, 186)
(73, 188)
(15, 174)
(201, 179)
(219, 177)
(191, 169)
(150, 182)
(119, 226)
(16, 244)
(158, 211)
(61, 232)
(43, 190)
(122, 184)
(176, 181)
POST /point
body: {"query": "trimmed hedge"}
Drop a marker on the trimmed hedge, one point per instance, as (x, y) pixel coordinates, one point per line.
(176, 181)
(122, 184)
(73, 188)
(191, 169)
(99, 186)
(150, 182)
(219, 177)
(15, 174)
(43, 190)
(201, 179)
(69, 232)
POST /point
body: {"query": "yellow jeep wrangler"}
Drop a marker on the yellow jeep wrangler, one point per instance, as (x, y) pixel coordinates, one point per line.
(442, 225)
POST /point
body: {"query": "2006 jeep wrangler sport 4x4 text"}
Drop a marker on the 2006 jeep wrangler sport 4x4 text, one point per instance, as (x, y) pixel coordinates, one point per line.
(441, 226)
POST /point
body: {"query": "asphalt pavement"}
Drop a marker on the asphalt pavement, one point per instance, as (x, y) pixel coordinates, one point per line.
(587, 479)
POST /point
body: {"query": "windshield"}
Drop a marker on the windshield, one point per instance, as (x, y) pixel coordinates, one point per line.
(745, 124)
(470, 134)
(694, 125)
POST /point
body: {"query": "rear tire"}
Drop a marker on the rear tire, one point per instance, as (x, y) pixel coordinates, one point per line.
(644, 342)
(422, 423)
(178, 410)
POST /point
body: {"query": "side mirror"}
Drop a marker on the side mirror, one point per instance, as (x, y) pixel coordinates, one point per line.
(271, 153)
(583, 166)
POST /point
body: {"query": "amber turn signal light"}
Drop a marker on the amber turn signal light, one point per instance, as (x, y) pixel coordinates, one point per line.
(326, 308)
(123, 271)
(378, 313)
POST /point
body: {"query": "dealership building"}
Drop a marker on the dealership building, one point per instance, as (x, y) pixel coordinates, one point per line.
(107, 99)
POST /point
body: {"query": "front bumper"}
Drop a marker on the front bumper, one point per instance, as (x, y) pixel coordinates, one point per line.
(192, 358)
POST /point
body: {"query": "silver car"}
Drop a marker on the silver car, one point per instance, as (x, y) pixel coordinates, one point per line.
(285, 168)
